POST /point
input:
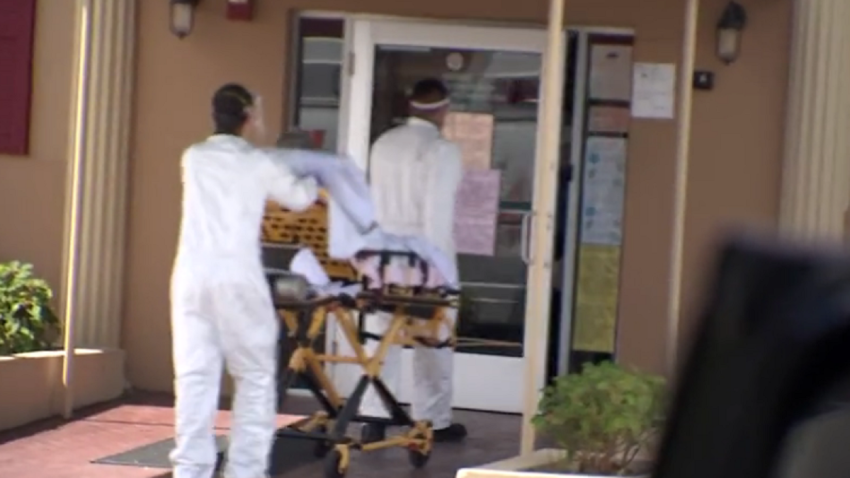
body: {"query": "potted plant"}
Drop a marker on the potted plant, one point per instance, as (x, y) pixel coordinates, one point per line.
(27, 320)
(601, 418)
(31, 354)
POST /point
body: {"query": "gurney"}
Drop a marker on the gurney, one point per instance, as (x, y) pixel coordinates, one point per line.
(419, 319)
(398, 282)
(404, 276)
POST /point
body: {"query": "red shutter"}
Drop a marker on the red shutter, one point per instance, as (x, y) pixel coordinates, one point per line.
(17, 28)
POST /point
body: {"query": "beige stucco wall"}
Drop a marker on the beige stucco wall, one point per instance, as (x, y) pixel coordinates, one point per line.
(38, 388)
(32, 210)
(735, 150)
(735, 160)
(32, 188)
(737, 139)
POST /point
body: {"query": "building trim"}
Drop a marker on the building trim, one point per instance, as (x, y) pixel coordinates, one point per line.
(815, 191)
(98, 179)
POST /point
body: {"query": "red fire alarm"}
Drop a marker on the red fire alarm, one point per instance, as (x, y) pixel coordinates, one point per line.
(240, 10)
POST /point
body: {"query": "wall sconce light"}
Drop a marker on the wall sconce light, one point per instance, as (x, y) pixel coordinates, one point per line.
(732, 23)
(183, 17)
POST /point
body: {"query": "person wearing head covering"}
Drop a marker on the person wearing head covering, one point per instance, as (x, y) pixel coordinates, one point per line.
(221, 306)
(415, 173)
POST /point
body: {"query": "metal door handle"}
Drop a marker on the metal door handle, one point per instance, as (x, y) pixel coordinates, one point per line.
(524, 250)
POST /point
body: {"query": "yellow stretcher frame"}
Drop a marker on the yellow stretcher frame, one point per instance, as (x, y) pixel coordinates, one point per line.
(305, 322)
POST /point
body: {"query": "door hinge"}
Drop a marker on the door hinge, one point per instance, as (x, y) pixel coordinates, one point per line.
(351, 63)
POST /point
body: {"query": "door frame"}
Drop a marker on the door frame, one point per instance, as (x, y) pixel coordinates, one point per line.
(568, 266)
(359, 56)
(349, 64)
(362, 33)
(576, 149)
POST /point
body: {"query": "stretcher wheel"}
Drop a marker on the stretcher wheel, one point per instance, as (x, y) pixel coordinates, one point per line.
(322, 446)
(417, 456)
(331, 464)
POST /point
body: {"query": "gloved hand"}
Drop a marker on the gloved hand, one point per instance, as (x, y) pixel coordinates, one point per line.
(323, 197)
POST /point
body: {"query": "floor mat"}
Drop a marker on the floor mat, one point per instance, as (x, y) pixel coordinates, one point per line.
(154, 455)
(288, 454)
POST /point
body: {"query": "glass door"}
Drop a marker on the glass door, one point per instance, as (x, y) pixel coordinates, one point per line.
(494, 78)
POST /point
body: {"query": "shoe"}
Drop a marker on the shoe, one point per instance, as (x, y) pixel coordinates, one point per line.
(372, 432)
(452, 433)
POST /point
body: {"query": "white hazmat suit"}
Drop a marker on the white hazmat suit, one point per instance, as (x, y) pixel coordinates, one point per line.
(222, 311)
(415, 174)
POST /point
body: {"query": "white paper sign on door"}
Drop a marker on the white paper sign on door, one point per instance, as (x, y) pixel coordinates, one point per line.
(476, 212)
(473, 133)
(654, 90)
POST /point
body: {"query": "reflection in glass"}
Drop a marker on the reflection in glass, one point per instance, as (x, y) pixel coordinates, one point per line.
(504, 84)
(318, 90)
(317, 93)
(509, 234)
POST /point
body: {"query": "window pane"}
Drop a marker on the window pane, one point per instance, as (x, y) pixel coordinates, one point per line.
(320, 47)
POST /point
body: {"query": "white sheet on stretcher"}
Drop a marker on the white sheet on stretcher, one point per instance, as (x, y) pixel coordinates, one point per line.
(306, 264)
(351, 222)
(398, 272)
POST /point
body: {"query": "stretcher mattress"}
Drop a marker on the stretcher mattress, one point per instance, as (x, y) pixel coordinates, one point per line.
(379, 268)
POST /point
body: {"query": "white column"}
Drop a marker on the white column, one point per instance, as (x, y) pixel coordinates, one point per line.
(97, 185)
(680, 186)
(545, 191)
(97, 179)
(816, 167)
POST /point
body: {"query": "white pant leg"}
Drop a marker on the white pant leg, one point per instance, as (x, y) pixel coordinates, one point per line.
(249, 330)
(197, 361)
(378, 323)
(433, 375)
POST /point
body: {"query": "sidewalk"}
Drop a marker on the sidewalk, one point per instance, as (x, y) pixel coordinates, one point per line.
(59, 449)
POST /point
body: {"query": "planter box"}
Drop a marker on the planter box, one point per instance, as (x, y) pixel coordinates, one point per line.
(517, 467)
(32, 383)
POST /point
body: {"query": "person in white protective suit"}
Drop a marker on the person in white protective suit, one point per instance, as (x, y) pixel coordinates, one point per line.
(415, 173)
(221, 306)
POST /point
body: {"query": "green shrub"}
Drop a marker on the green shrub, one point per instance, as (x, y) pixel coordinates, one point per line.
(601, 417)
(27, 320)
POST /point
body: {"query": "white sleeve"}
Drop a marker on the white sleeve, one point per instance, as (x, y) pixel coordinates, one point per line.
(444, 174)
(283, 186)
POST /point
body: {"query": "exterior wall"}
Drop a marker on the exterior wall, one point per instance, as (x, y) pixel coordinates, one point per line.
(39, 392)
(32, 188)
(735, 161)
(737, 138)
